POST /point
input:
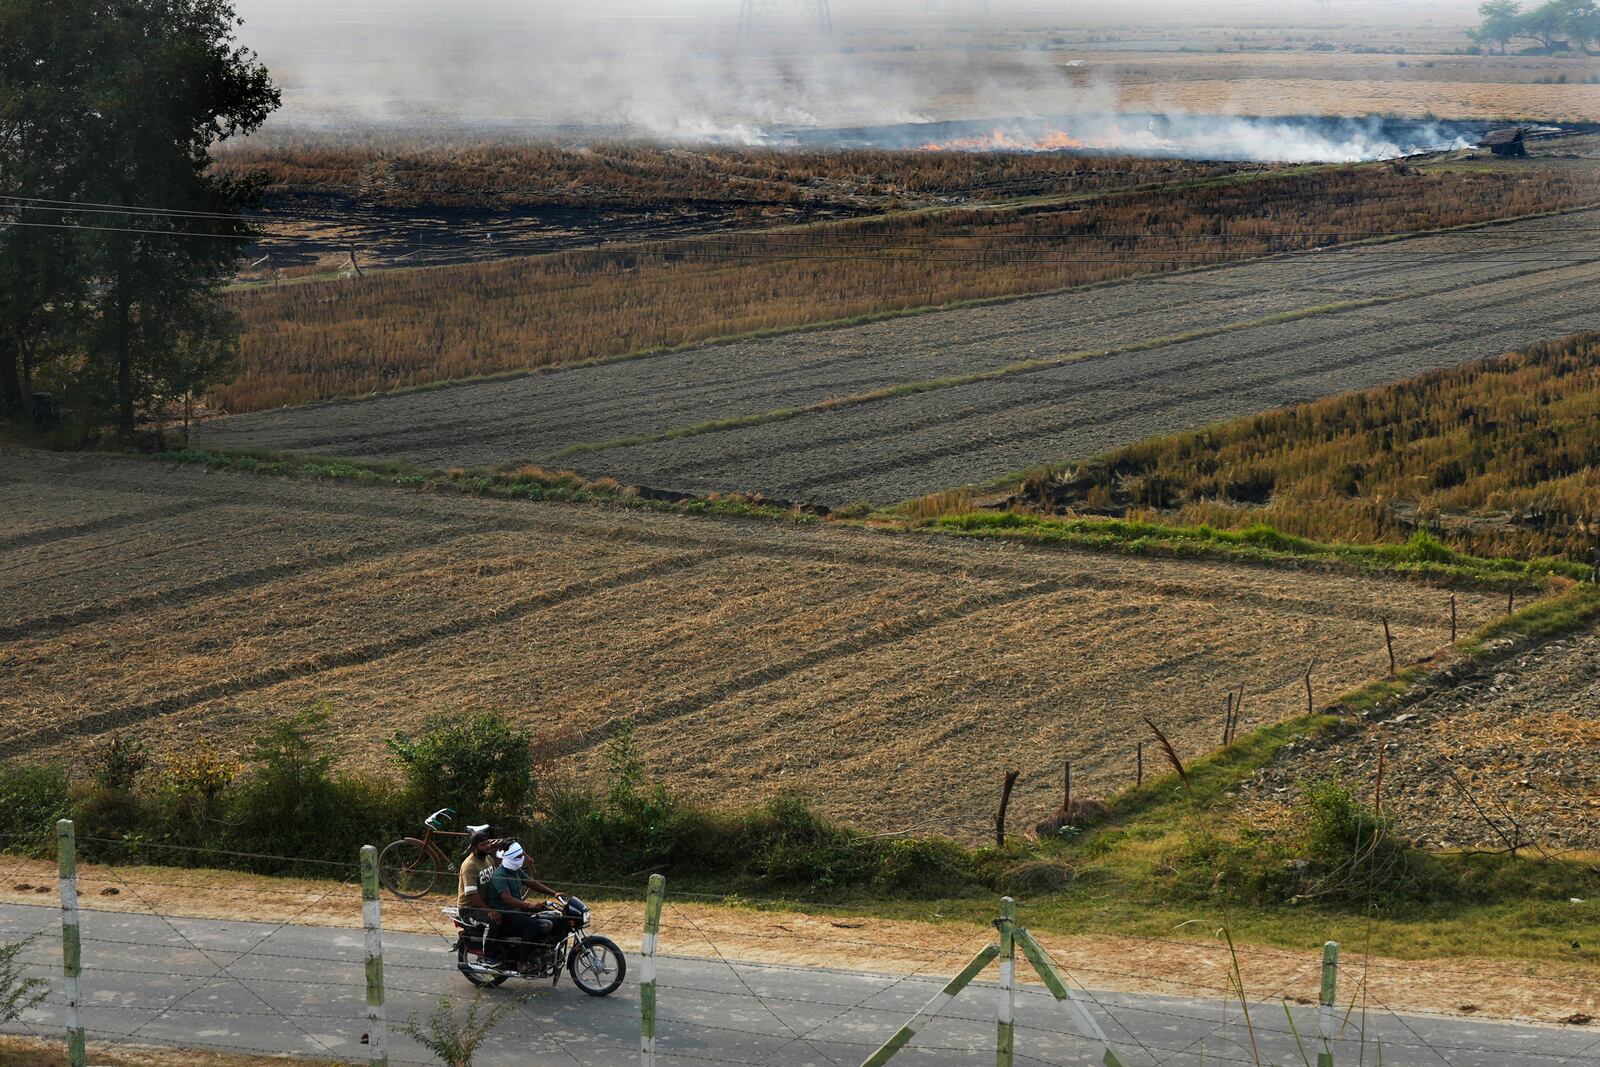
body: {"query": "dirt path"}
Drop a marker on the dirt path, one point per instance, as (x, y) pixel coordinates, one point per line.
(888, 676)
(1445, 300)
(830, 938)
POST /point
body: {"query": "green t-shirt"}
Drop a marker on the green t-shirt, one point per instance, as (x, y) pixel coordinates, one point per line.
(469, 886)
(502, 880)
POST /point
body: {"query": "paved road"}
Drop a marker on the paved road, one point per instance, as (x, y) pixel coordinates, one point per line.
(1250, 347)
(298, 990)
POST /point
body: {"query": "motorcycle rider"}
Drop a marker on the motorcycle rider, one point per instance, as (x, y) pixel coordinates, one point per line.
(473, 907)
(506, 889)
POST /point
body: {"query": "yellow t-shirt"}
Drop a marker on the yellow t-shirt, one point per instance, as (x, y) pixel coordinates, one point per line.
(474, 871)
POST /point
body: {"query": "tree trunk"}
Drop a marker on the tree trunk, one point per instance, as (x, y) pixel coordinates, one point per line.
(125, 425)
(10, 383)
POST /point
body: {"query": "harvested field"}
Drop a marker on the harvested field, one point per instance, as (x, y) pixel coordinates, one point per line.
(1507, 754)
(888, 676)
(1136, 359)
(341, 338)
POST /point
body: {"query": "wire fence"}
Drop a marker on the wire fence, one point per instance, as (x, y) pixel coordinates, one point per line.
(765, 983)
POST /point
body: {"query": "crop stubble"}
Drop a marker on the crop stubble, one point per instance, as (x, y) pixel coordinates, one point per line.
(892, 678)
(1446, 300)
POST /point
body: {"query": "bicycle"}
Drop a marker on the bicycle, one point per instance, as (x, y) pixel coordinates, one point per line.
(412, 866)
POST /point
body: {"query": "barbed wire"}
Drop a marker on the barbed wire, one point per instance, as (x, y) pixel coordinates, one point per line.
(226, 968)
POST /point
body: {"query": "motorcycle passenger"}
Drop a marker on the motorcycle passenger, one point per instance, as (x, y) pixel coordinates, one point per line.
(507, 890)
(475, 871)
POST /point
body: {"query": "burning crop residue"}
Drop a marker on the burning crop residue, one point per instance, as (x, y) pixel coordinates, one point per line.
(1309, 139)
(1001, 141)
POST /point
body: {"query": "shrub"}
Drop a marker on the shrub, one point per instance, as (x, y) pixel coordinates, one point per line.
(290, 803)
(793, 845)
(193, 780)
(121, 760)
(476, 763)
(1355, 855)
(455, 1040)
(32, 798)
(18, 991)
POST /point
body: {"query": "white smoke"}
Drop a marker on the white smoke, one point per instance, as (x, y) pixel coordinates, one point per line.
(684, 74)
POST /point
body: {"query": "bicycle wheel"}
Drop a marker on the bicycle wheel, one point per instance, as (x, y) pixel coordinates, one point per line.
(407, 868)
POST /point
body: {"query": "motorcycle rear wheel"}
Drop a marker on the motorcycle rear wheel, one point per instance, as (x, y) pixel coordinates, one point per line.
(597, 966)
(477, 978)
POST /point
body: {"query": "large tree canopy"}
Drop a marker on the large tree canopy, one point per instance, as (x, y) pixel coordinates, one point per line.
(1554, 24)
(114, 237)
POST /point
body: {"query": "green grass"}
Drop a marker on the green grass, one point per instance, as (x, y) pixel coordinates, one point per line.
(1421, 555)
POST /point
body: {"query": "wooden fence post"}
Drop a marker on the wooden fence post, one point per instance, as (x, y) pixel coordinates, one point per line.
(1326, 1013)
(1000, 816)
(71, 941)
(1511, 598)
(647, 970)
(1310, 708)
(1005, 1010)
(1452, 618)
(1388, 642)
(1066, 791)
(1138, 758)
(372, 925)
(903, 1035)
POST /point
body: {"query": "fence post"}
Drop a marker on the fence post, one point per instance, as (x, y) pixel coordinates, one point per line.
(647, 970)
(372, 923)
(1005, 1013)
(71, 941)
(902, 1036)
(1058, 988)
(1325, 1014)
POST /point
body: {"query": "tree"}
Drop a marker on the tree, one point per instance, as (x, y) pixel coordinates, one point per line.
(1581, 22)
(110, 150)
(1500, 24)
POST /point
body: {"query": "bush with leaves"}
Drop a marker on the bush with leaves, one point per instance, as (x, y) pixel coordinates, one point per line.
(18, 992)
(1354, 854)
(121, 759)
(289, 801)
(481, 764)
(32, 798)
(455, 1039)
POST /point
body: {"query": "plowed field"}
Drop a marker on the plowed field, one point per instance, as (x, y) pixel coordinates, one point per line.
(892, 677)
(1141, 358)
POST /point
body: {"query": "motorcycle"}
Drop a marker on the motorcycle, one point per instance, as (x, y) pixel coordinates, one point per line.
(596, 964)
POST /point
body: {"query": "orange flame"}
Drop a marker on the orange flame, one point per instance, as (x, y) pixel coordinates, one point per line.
(1001, 141)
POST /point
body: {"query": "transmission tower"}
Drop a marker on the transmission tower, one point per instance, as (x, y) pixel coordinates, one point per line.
(814, 12)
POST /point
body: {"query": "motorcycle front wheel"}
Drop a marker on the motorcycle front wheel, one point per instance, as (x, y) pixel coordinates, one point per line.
(477, 978)
(597, 966)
